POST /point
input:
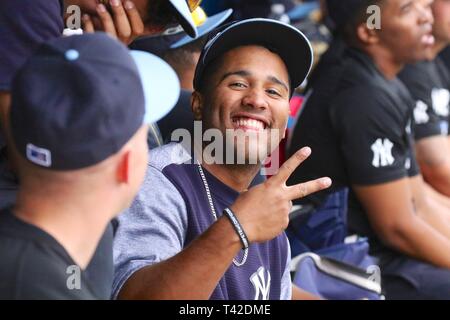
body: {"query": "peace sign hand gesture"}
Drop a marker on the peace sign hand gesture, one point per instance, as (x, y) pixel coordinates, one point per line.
(263, 211)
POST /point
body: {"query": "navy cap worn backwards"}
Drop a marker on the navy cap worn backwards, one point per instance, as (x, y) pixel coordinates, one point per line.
(80, 99)
(288, 42)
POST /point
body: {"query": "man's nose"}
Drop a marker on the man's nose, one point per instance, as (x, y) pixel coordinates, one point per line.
(425, 12)
(255, 98)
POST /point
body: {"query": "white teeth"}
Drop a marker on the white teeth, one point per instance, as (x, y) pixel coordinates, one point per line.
(249, 123)
(428, 39)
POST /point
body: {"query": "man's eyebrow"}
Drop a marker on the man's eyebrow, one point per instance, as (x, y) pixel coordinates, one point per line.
(242, 73)
(278, 81)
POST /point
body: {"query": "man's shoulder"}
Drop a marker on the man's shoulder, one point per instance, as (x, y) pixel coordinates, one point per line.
(419, 77)
(169, 154)
(166, 170)
(34, 269)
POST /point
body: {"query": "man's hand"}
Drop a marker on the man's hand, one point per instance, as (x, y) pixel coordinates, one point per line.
(263, 211)
(122, 21)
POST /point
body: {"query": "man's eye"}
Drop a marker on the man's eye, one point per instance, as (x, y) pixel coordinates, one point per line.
(238, 85)
(273, 92)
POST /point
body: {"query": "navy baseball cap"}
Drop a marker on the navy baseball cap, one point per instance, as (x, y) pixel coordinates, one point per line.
(80, 99)
(175, 38)
(288, 42)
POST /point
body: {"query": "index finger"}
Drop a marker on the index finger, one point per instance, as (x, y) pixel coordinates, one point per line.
(290, 165)
(302, 190)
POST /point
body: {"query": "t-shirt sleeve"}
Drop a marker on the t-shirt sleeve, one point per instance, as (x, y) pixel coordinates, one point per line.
(430, 100)
(373, 134)
(286, 281)
(426, 122)
(151, 230)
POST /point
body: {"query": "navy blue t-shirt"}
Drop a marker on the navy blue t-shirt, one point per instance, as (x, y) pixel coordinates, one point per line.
(164, 220)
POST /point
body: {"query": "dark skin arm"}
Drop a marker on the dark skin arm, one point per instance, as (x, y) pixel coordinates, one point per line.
(299, 294)
(398, 224)
(433, 154)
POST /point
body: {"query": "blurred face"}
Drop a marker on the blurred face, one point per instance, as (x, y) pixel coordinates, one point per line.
(441, 27)
(248, 96)
(406, 29)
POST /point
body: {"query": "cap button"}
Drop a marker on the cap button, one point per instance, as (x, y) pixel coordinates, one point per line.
(72, 55)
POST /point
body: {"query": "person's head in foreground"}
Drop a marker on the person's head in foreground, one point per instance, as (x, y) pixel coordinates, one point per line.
(80, 107)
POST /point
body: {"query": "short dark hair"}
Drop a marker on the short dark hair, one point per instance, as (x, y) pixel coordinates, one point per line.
(182, 56)
(160, 13)
(216, 64)
(348, 29)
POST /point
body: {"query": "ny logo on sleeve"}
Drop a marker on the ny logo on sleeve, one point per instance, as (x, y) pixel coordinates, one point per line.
(420, 113)
(441, 99)
(382, 153)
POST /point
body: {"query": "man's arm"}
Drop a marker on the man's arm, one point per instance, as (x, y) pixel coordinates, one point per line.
(436, 196)
(391, 212)
(433, 155)
(428, 208)
(191, 274)
(194, 272)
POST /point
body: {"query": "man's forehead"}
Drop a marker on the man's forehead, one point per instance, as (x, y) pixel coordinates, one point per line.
(256, 57)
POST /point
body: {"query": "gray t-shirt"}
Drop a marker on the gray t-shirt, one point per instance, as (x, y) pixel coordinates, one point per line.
(160, 221)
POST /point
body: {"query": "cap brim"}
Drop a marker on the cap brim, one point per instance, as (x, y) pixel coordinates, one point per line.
(160, 83)
(288, 42)
(210, 24)
(185, 17)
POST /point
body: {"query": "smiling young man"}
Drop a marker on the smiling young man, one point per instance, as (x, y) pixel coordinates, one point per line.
(203, 235)
(429, 84)
(358, 122)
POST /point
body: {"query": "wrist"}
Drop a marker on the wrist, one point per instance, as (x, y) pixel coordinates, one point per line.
(237, 227)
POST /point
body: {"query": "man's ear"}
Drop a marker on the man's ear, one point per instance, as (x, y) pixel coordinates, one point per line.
(197, 105)
(366, 35)
(123, 169)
